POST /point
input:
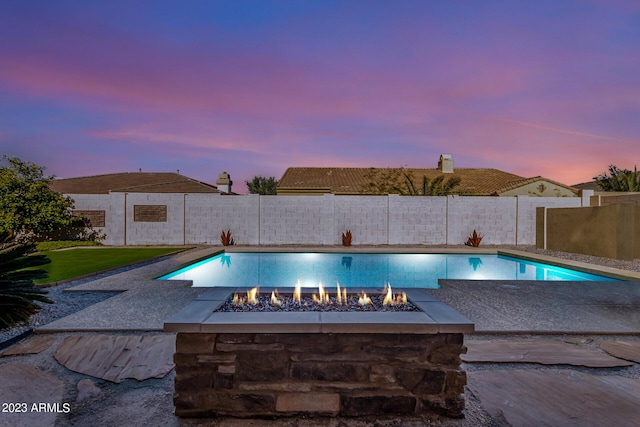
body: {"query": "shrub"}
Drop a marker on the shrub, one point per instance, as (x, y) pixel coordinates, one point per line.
(17, 291)
(28, 207)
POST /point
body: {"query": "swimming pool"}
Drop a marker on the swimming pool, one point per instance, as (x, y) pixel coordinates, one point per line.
(364, 270)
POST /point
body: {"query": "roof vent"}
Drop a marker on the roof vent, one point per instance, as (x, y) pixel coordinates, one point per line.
(445, 164)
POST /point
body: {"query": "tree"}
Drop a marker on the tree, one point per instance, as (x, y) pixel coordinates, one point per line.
(401, 181)
(27, 205)
(262, 185)
(434, 187)
(17, 291)
(619, 179)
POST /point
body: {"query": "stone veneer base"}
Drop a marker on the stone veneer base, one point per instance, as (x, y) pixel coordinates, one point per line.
(336, 364)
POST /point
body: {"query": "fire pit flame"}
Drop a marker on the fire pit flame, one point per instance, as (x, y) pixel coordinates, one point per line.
(388, 299)
(321, 301)
(252, 296)
(275, 300)
(341, 297)
(363, 299)
(391, 299)
(323, 297)
(237, 301)
(297, 293)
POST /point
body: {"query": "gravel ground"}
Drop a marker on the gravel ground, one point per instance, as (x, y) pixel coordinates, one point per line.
(633, 265)
(65, 303)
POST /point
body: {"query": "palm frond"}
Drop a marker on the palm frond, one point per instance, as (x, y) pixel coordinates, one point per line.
(18, 295)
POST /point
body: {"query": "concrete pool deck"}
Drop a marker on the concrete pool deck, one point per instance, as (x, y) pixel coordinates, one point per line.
(585, 316)
(494, 306)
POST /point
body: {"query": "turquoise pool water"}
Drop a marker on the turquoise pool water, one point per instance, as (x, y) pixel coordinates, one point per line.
(364, 270)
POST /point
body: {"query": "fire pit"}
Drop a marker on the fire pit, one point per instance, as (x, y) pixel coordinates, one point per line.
(241, 358)
(321, 301)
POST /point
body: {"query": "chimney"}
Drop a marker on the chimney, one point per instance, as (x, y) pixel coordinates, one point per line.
(445, 164)
(224, 182)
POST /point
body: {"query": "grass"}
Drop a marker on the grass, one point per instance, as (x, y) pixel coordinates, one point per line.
(63, 244)
(82, 261)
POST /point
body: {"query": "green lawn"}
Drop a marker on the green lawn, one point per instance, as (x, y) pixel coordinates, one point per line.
(62, 244)
(76, 262)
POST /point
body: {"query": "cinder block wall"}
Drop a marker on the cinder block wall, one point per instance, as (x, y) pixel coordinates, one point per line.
(296, 220)
(417, 220)
(208, 215)
(493, 217)
(113, 207)
(366, 216)
(320, 220)
(171, 232)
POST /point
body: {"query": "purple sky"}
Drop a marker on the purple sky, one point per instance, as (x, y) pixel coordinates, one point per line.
(547, 88)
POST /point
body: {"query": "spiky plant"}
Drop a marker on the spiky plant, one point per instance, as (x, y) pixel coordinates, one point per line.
(226, 239)
(346, 238)
(474, 240)
(17, 291)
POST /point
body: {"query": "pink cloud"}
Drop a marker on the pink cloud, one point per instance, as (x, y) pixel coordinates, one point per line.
(248, 83)
(514, 103)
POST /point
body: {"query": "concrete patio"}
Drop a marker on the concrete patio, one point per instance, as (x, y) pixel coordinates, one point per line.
(558, 353)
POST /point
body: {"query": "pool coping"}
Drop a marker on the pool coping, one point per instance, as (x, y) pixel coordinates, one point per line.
(601, 270)
(612, 272)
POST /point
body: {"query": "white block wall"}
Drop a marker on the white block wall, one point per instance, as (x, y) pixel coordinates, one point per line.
(417, 220)
(113, 207)
(296, 220)
(171, 232)
(367, 217)
(492, 217)
(210, 214)
(320, 220)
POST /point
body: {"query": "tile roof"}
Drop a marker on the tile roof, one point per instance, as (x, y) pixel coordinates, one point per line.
(481, 182)
(591, 185)
(525, 181)
(132, 182)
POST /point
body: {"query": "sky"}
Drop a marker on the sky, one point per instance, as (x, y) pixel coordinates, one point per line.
(543, 87)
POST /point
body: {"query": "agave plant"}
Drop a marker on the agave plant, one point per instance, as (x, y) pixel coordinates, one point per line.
(346, 238)
(17, 291)
(226, 238)
(474, 240)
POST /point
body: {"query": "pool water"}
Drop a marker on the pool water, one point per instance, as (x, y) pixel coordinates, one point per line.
(364, 270)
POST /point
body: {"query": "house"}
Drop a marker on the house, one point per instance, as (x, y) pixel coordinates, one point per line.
(138, 182)
(145, 207)
(473, 181)
(171, 209)
(590, 185)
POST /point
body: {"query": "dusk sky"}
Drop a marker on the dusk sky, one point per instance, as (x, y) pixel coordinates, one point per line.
(541, 87)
